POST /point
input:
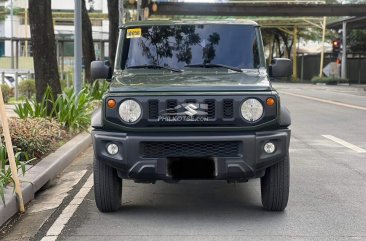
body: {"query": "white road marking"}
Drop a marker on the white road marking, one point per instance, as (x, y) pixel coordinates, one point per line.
(325, 101)
(345, 143)
(59, 224)
(57, 193)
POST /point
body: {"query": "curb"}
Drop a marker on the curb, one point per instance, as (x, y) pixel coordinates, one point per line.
(44, 171)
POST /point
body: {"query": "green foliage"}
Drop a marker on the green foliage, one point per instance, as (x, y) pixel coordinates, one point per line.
(27, 88)
(37, 136)
(5, 89)
(328, 80)
(32, 109)
(357, 40)
(21, 160)
(73, 110)
(97, 89)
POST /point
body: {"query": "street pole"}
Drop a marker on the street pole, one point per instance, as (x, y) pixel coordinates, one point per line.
(294, 54)
(138, 9)
(344, 51)
(322, 52)
(77, 47)
(11, 34)
(121, 13)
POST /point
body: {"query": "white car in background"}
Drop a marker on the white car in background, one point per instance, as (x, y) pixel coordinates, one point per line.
(10, 80)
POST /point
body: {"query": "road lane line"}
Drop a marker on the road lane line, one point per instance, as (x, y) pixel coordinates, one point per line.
(345, 143)
(325, 101)
(59, 224)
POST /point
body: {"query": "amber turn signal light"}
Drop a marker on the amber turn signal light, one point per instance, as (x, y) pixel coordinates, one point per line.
(270, 102)
(111, 103)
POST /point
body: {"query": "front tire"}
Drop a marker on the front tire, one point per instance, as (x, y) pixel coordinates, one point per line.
(107, 187)
(275, 185)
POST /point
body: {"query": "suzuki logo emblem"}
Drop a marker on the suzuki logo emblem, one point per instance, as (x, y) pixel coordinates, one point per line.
(191, 109)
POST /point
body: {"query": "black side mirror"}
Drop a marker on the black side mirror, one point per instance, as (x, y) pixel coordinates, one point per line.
(280, 67)
(100, 70)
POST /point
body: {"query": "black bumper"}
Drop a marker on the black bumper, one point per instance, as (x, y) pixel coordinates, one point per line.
(244, 161)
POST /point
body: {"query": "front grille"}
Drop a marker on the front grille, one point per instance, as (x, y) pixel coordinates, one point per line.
(190, 149)
(170, 106)
(228, 108)
(210, 108)
(153, 109)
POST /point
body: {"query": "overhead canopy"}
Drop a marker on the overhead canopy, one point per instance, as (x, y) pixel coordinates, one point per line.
(352, 23)
(259, 9)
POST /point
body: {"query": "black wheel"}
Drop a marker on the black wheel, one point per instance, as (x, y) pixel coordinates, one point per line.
(107, 187)
(275, 186)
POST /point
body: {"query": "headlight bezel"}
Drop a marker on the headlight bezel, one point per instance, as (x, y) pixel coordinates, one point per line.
(120, 115)
(241, 112)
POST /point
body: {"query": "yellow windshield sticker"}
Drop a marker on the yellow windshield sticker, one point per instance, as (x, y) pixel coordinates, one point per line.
(134, 33)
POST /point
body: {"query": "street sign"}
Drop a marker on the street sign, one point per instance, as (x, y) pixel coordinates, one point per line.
(332, 69)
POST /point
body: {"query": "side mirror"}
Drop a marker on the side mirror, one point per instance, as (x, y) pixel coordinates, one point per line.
(100, 70)
(280, 67)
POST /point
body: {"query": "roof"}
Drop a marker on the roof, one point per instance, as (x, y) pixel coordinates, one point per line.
(352, 23)
(188, 22)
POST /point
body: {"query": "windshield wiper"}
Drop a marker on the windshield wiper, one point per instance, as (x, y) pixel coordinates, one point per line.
(214, 65)
(154, 66)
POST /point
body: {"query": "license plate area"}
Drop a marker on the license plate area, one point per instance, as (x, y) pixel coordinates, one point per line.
(180, 168)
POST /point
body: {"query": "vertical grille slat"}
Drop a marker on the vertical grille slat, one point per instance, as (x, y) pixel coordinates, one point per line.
(153, 109)
(211, 111)
(170, 105)
(228, 111)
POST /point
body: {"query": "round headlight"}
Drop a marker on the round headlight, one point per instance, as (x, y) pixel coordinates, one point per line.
(130, 111)
(252, 110)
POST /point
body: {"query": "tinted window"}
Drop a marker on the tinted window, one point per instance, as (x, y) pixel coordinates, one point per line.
(180, 45)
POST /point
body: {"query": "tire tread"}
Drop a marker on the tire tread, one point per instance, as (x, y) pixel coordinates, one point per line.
(107, 187)
(275, 186)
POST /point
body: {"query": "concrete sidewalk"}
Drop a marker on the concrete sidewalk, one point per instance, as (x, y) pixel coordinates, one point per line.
(10, 110)
(342, 88)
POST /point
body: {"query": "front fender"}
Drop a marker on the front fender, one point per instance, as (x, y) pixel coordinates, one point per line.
(285, 117)
(96, 120)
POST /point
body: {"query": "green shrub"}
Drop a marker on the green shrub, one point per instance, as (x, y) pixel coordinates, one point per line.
(97, 89)
(37, 136)
(5, 171)
(328, 80)
(30, 108)
(27, 88)
(5, 89)
(70, 109)
(73, 110)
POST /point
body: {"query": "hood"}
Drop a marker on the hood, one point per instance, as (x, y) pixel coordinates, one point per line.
(252, 80)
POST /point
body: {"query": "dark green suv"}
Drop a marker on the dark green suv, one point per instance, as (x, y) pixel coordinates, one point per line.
(187, 101)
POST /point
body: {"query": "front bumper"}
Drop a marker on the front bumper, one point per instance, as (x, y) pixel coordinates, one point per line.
(250, 161)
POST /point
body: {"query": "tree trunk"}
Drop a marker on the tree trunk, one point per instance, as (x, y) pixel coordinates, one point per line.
(113, 15)
(43, 47)
(88, 45)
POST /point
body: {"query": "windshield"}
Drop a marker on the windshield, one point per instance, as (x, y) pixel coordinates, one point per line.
(180, 46)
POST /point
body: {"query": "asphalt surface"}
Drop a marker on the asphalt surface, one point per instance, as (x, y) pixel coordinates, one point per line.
(327, 193)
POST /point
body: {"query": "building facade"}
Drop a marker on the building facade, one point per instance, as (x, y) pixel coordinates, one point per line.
(63, 18)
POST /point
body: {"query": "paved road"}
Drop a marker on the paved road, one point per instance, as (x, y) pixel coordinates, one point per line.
(327, 199)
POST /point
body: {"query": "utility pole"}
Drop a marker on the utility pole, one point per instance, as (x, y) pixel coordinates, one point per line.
(344, 50)
(322, 52)
(11, 34)
(121, 13)
(77, 47)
